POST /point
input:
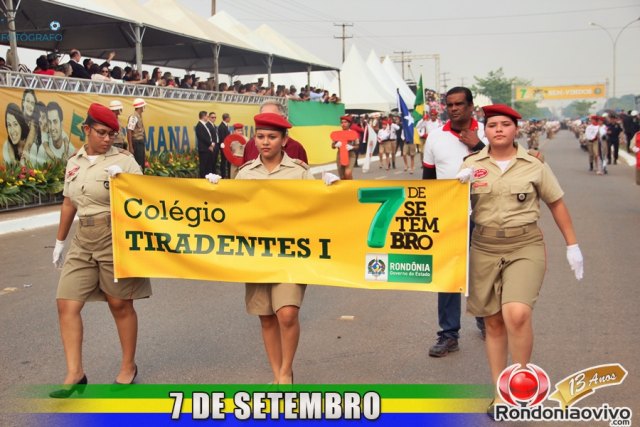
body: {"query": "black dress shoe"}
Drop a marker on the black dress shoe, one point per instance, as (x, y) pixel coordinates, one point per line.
(67, 392)
(135, 374)
(491, 410)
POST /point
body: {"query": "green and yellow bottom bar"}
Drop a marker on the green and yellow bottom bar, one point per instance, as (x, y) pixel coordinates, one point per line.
(308, 405)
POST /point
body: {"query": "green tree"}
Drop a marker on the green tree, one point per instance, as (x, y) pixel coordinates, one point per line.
(626, 102)
(496, 86)
(527, 109)
(578, 109)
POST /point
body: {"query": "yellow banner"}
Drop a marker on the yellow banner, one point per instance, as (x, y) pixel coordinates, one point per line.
(539, 93)
(577, 386)
(404, 235)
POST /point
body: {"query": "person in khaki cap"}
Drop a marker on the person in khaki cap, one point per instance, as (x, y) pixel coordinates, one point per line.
(136, 135)
(120, 140)
(507, 258)
(87, 272)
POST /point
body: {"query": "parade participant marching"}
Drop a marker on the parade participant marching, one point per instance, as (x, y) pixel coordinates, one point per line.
(87, 272)
(592, 134)
(507, 258)
(293, 148)
(277, 304)
(346, 171)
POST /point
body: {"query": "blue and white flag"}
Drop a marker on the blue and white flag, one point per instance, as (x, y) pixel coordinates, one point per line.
(407, 119)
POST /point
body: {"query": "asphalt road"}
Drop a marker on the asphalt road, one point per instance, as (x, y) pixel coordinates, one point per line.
(198, 332)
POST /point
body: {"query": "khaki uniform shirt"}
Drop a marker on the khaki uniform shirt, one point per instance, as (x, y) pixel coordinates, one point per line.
(510, 198)
(136, 127)
(87, 184)
(288, 169)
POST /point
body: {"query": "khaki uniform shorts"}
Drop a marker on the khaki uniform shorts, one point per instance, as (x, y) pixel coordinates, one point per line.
(264, 299)
(352, 163)
(409, 149)
(87, 274)
(388, 147)
(503, 270)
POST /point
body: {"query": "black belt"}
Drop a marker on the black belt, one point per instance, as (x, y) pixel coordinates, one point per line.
(505, 232)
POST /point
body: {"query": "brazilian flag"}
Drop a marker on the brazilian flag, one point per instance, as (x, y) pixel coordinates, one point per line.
(312, 123)
(76, 126)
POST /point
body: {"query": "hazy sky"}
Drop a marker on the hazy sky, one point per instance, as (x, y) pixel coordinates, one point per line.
(547, 42)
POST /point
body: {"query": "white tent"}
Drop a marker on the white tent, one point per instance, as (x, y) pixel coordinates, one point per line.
(294, 51)
(360, 88)
(407, 94)
(231, 25)
(385, 80)
(178, 39)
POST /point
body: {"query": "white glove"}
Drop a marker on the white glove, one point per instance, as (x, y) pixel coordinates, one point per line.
(212, 178)
(465, 175)
(635, 149)
(349, 147)
(329, 178)
(574, 256)
(113, 170)
(58, 256)
(222, 145)
(337, 144)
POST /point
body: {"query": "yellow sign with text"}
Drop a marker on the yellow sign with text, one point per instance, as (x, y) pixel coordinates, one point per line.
(539, 93)
(402, 235)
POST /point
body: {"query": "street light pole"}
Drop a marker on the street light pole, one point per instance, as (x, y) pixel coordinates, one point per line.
(614, 41)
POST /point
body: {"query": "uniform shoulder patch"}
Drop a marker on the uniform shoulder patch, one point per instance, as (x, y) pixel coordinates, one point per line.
(245, 164)
(470, 155)
(123, 151)
(535, 153)
(300, 163)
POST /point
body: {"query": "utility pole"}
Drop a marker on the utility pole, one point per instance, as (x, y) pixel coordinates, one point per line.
(444, 80)
(402, 59)
(213, 7)
(344, 36)
(408, 58)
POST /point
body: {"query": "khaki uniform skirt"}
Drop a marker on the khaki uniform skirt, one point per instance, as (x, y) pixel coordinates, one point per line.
(87, 273)
(505, 266)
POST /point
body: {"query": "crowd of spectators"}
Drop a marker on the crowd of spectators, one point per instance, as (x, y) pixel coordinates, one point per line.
(86, 68)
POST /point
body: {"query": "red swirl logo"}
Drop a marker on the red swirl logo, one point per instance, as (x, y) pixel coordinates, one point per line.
(480, 173)
(523, 386)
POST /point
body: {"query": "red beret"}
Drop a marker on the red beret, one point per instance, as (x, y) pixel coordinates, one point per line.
(433, 111)
(501, 110)
(357, 128)
(238, 126)
(271, 121)
(347, 118)
(103, 115)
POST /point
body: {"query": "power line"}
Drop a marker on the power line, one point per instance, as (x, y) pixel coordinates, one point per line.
(344, 36)
(467, 18)
(402, 59)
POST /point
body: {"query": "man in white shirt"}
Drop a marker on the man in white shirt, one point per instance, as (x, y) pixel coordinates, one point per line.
(444, 151)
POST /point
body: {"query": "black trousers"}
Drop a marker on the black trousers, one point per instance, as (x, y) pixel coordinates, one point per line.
(205, 162)
(139, 152)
